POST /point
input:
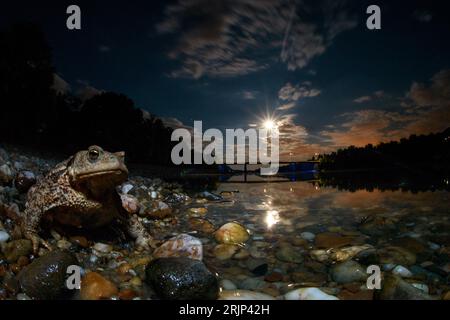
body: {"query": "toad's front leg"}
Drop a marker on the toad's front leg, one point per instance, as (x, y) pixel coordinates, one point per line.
(30, 227)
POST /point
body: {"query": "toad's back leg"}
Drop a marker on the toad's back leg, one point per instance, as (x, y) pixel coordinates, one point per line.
(40, 203)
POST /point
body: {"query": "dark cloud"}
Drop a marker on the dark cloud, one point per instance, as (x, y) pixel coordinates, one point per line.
(221, 38)
(294, 93)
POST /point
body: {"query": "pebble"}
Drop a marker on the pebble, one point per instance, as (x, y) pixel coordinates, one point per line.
(288, 253)
(95, 287)
(45, 277)
(232, 233)
(308, 294)
(421, 286)
(24, 180)
(402, 272)
(127, 188)
(274, 277)
(348, 271)
(17, 248)
(319, 255)
(6, 174)
(308, 236)
(80, 241)
(4, 236)
(253, 284)
(181, 278)
(201, 225)
(344, 254)
(225, 251)
(130, 203)
(242, 254)
(103, 247)
(258, 267)
(63, 244)
(22, 296)
(394, 288)
(226, 284)
(183, 245)
(329, 240)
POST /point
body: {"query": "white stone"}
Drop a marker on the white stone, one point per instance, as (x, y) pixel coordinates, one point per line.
(63, 244)
(154, 195)
(319, 255)
(308, 236)
(182, 245)
(102, 247)
(243, 295)
(22, 296)
(421, 286)
(434, 246)
(308, 294)
(402, 272)
(4, 236)
(226, 284)
(126, 188)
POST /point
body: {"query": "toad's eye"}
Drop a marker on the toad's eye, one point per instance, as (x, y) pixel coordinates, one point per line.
(93, 154)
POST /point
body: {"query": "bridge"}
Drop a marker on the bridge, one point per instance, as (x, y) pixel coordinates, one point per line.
(285, 169)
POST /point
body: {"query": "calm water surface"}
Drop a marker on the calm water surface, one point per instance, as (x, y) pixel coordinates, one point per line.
(277, 213)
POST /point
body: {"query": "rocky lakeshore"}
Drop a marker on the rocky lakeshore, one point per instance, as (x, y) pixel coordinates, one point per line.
(209, 246)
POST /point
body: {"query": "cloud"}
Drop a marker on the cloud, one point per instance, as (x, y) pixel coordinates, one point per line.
(362, 99)
(295, 141)
(424, 109)
(104, 49)
(87, 92)
(423, 16)
(294, 93)
(249, 95)
(222, 38)
(286, 106)
(60, 85)
(175, 123)
(376, 95)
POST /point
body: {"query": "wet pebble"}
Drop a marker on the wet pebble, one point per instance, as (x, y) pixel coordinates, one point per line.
(181, 278)
(201, 225)
(45, 277)
(258, 267)
(348, 271)
(232, 233)
(402, 272)
(394, 288)
(226, 284)
(95, 287)
(287, 253)
(183, 245)
(225, 251)
(309, 236)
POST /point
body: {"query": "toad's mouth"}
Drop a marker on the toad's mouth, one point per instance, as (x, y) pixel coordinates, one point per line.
(110, 173)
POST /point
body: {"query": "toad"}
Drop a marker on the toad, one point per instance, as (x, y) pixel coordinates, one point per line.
(81, 192)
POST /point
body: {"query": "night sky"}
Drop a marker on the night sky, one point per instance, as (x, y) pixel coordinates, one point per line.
(311, 65)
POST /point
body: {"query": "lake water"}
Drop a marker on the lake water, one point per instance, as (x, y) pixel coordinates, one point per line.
(277, 215)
